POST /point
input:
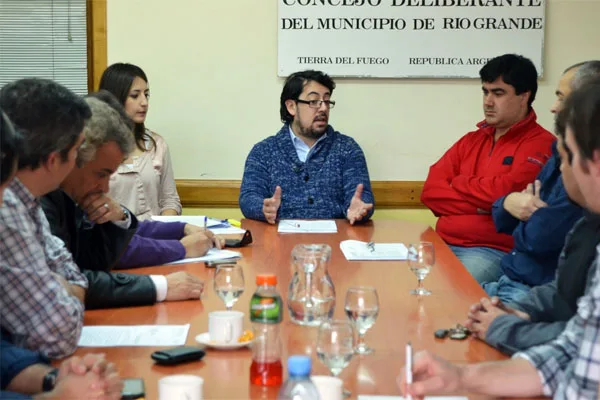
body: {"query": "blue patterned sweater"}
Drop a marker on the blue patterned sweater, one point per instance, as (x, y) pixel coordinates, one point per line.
(321, 187)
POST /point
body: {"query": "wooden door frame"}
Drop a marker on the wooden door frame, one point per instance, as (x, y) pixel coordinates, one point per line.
(96, 40)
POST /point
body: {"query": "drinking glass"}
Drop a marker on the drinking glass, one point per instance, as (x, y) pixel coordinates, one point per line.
(421, 258)
(335, 346)
(362, 308)
(229, 283)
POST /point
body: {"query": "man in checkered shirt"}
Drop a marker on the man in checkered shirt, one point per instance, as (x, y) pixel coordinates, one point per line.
(41, 290)
(569, 366)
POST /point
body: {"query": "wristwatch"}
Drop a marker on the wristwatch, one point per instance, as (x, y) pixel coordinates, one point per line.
(125, 214)
(50, 380)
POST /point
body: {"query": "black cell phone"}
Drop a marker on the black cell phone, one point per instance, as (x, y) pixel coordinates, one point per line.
(133, 388)
(178, 355)
(215, 263)
(244, 241)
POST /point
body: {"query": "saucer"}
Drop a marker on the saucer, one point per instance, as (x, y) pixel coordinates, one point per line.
(204, 338)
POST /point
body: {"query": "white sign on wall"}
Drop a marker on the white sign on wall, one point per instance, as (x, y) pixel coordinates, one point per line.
(406, 38)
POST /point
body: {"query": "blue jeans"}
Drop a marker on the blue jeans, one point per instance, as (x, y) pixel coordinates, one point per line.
(483, 263)
(506, 289)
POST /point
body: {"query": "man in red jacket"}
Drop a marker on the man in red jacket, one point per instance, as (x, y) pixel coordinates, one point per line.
(503, 155)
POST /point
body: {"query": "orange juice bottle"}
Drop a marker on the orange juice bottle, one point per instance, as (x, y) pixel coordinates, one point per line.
(266, 315)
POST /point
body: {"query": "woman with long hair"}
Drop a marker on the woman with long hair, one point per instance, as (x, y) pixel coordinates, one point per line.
(143, 183)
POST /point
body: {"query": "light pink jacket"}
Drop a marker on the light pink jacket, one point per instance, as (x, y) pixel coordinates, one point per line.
(147, 187)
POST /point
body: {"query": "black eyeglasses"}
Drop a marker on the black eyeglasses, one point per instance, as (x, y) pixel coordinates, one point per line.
(317, 103)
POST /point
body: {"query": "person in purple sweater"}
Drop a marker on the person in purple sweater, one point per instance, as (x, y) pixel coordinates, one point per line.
(156, 243)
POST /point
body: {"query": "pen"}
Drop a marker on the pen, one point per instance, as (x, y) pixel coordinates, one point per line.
(205, 222)
(409, 377)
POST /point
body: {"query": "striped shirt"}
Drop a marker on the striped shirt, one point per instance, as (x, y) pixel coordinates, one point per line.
(569, 367)
(35, 307)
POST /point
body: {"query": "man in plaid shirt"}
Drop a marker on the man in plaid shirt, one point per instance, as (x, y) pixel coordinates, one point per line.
(569, 366)
(41, 290)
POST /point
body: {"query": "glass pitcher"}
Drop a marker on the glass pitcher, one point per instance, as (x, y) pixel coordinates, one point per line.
(311, 295)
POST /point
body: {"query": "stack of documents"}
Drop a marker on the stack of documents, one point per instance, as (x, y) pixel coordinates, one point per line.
(133, 335)
(216, 226)
(212, 255)
(303, 226)
(357, 250)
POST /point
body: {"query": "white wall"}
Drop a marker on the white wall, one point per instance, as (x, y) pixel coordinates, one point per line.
(212, 67)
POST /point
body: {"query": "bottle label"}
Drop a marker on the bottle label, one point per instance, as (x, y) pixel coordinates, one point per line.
(266, 310)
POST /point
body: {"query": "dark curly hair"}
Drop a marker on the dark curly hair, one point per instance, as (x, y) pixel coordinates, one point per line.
(294, 85)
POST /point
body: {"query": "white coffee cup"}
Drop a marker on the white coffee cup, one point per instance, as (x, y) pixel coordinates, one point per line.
(225, 326)
(329, 387)
(180, 387)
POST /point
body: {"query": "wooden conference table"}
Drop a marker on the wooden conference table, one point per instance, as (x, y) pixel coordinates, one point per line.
(402, 316)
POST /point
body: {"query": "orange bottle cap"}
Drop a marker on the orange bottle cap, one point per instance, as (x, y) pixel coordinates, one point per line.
(269, 280)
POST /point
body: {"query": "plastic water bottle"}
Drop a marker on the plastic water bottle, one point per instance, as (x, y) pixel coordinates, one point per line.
(265, 315)
(298, 386)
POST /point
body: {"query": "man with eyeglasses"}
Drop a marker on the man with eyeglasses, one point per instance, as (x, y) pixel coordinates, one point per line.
(307, 170)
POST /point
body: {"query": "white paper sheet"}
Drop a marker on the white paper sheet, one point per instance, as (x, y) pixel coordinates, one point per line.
(212, 255)
(303, 226)
(133, 335)
(357, 250)
(378, 397)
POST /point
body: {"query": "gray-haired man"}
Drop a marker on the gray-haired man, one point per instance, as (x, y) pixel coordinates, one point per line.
(99, 236)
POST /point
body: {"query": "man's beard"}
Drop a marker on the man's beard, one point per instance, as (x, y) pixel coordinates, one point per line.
(311, 133)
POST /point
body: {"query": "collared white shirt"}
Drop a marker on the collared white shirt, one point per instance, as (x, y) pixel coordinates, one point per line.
(302, 148)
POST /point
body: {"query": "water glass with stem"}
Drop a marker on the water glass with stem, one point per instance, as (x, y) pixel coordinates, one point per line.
(421, 258)
(229, 283)
(335, 346)
(362, 308)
